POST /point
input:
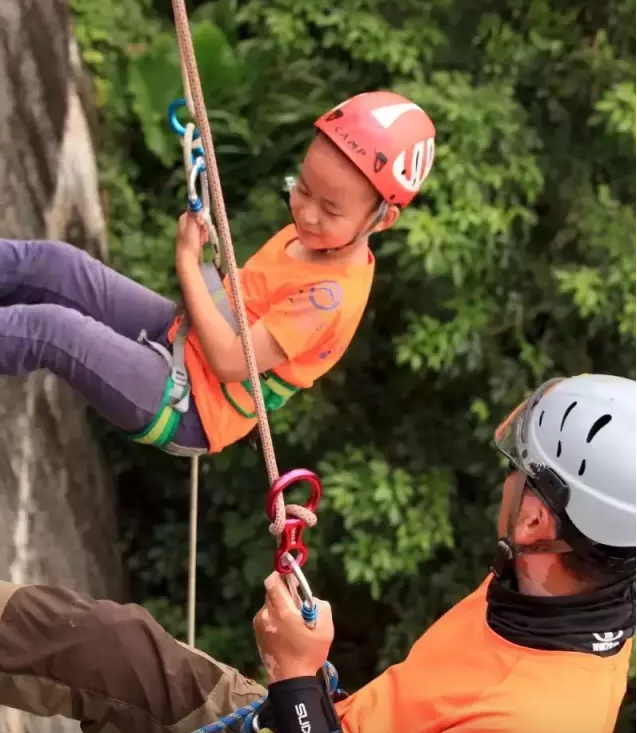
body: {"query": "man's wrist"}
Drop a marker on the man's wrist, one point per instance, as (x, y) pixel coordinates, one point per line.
(300, 705)
(291, 672)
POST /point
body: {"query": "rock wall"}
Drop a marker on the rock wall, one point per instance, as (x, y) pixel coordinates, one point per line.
(57, 509)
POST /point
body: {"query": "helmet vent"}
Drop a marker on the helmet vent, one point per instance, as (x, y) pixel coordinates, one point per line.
(582, 467)
(417, 160)
(567, 412)
(597, 426)
(541, 418)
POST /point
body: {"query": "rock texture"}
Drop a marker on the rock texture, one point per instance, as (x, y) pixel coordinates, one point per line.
(57, 513)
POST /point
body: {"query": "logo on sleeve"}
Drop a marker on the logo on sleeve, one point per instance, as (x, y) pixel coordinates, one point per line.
(301, 715)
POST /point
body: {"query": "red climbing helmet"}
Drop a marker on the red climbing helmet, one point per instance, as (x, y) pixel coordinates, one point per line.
(389, 138)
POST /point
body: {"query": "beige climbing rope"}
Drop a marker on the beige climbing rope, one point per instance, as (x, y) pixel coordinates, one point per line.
(193, 94)
(192, 547)
(193, 88)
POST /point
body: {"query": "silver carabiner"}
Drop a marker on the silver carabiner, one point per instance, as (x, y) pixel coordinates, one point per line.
(308, 608)
(193, 197)
(195, 168)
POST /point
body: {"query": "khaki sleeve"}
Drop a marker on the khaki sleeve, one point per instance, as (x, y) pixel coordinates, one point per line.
(111, 666)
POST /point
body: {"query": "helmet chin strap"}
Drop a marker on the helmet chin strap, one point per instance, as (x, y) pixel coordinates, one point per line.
(290, 182)
(507, 549)
(378, 217)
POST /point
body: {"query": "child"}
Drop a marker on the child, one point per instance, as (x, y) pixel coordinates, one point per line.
(305, 292)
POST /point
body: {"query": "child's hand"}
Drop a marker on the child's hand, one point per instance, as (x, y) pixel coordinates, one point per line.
(192, 234)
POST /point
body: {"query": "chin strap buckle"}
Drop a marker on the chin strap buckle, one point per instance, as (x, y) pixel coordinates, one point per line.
(503, 557)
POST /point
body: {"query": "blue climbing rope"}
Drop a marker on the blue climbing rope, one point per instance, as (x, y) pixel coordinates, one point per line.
(247, 712)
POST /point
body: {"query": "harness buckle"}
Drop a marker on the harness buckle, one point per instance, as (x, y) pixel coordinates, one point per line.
(180, 376)
(180, 392)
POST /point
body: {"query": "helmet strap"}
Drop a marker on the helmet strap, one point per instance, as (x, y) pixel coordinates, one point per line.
(378, 217)
(507, 550)
(290, 182)
(503, 557)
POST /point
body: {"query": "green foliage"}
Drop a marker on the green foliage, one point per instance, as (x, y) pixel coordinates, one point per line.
(516, 263)
(393, 526)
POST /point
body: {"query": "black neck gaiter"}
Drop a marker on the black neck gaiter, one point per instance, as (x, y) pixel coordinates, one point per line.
(598, 622)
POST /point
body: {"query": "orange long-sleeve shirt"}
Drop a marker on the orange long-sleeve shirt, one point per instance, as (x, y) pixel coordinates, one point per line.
(462, 676)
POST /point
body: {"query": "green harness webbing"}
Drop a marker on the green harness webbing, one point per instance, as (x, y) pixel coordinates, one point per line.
(162, 429)
(176, 399)
(276, 392)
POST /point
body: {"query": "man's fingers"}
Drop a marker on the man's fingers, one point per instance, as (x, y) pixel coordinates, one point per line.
(277, 594)
(260, 621)
(280, 598)
(323, 606)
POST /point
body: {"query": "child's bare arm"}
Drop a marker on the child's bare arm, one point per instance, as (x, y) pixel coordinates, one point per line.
(222, 348)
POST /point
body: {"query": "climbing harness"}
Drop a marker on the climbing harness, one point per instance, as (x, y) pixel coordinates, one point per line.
(276, 391)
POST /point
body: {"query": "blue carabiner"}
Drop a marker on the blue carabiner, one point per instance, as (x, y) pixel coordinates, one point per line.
(197, 151)
(173, 119)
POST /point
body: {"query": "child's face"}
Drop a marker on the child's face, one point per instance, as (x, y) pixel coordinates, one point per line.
(332, 202)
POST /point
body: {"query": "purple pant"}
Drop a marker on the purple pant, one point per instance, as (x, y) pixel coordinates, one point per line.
(63, 310)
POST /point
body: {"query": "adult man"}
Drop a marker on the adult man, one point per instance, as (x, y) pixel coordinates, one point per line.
(543, 644)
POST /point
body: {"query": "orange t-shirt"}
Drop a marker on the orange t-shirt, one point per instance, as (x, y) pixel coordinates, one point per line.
(311, 309)
(462, 676)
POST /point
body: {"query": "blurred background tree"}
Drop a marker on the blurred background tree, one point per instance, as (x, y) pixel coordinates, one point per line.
(516, 264)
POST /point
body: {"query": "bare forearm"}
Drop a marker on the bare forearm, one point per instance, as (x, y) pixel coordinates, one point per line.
(223, 348)
(217, 338)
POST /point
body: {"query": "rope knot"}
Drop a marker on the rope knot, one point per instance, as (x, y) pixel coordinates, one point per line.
(283, 511)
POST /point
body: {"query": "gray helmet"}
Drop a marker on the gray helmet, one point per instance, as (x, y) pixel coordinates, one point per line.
(575, 441)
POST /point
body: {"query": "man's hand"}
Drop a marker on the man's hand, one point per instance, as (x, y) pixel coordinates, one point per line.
(192, 234)
(288, 648)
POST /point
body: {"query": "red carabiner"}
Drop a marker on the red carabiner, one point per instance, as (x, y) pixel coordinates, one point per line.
(292, 535)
